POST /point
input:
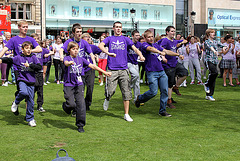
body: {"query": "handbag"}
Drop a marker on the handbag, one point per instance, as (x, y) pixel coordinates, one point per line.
(66, 158)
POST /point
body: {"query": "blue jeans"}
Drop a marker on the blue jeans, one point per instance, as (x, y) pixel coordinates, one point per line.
(26, 92)
(156, 80)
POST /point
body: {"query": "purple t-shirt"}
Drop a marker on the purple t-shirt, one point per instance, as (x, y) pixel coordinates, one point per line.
(152, 61)
(72, 74)
(193, 52)
(170, 45)
(15, 44)
(84, 50)
(229, 55)
(132, 56)
(45, 51)
(26, 74)
(119, 46)
(95, 49)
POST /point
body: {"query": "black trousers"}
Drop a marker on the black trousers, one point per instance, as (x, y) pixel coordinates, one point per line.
(57, 62)
(16, 73)
(74, 97)
(88, 80)
(39, 88)
(49, 64)
(213, 73)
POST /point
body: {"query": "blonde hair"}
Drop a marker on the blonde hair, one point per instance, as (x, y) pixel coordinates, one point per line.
(85, 35)
(208, 31)
(146, 33)
(21, 22)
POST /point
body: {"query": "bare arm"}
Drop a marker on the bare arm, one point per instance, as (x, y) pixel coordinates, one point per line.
(187, 49)
(68, 63)
(60, 53)
(138, 52)
(5, 49)
(154, 50)
(38, 49)
(101, 47)
(93, 66)
(93, 58)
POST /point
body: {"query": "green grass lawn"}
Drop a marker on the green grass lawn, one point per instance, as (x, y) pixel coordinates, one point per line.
(198, 129)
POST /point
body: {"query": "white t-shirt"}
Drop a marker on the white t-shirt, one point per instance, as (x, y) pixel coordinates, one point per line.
(57, 48)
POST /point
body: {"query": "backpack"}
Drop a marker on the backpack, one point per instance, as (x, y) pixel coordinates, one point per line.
(66, 158)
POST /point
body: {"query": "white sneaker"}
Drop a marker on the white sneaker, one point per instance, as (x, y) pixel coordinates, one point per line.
(207, 90)
(105, 105)
(204, 77)
(128, 118)
(48, 82)
(44, 83)
(210, 98)
(101, 84)
(14, 107)
(32, 123)
(5, 84)
(141, 81)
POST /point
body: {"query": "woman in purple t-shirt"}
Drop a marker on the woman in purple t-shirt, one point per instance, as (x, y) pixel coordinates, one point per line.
(228, 60)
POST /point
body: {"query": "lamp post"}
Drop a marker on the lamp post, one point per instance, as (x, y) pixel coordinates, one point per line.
(133, 14)
(193, 16)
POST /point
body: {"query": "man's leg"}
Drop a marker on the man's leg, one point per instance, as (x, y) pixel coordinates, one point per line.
(135, 81)
(124, 83)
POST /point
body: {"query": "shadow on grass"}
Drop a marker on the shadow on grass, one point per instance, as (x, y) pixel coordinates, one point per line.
(58, 124)
(11, 119)
(103, 113)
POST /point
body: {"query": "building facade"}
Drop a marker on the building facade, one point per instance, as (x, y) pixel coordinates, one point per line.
(99, 16)
(221, 15)
(25, 9)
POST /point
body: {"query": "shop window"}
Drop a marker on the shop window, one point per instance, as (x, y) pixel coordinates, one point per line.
(21, 11)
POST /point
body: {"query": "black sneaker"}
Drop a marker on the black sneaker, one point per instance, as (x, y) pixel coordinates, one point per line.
(80, 129)
(173, 101)
(65, 109)
(137, 103)
(165, 114)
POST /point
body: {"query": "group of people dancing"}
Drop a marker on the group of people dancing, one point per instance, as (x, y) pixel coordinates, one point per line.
(166, 61)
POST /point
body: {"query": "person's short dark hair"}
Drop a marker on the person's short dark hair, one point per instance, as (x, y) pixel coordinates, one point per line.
(211, 11)
(227, 37)
(71, 45)
(116, 23)
(27, 43)
(134, 32)
(58, 37)
(141, 38)
(76, 26)
(169, 28)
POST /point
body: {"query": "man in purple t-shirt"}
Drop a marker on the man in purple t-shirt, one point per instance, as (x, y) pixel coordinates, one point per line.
(85, 51)
(172, 67)
(133, 65)
(15, 44)
(117, 64)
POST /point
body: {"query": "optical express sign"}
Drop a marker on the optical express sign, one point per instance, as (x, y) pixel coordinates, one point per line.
(221, 17)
